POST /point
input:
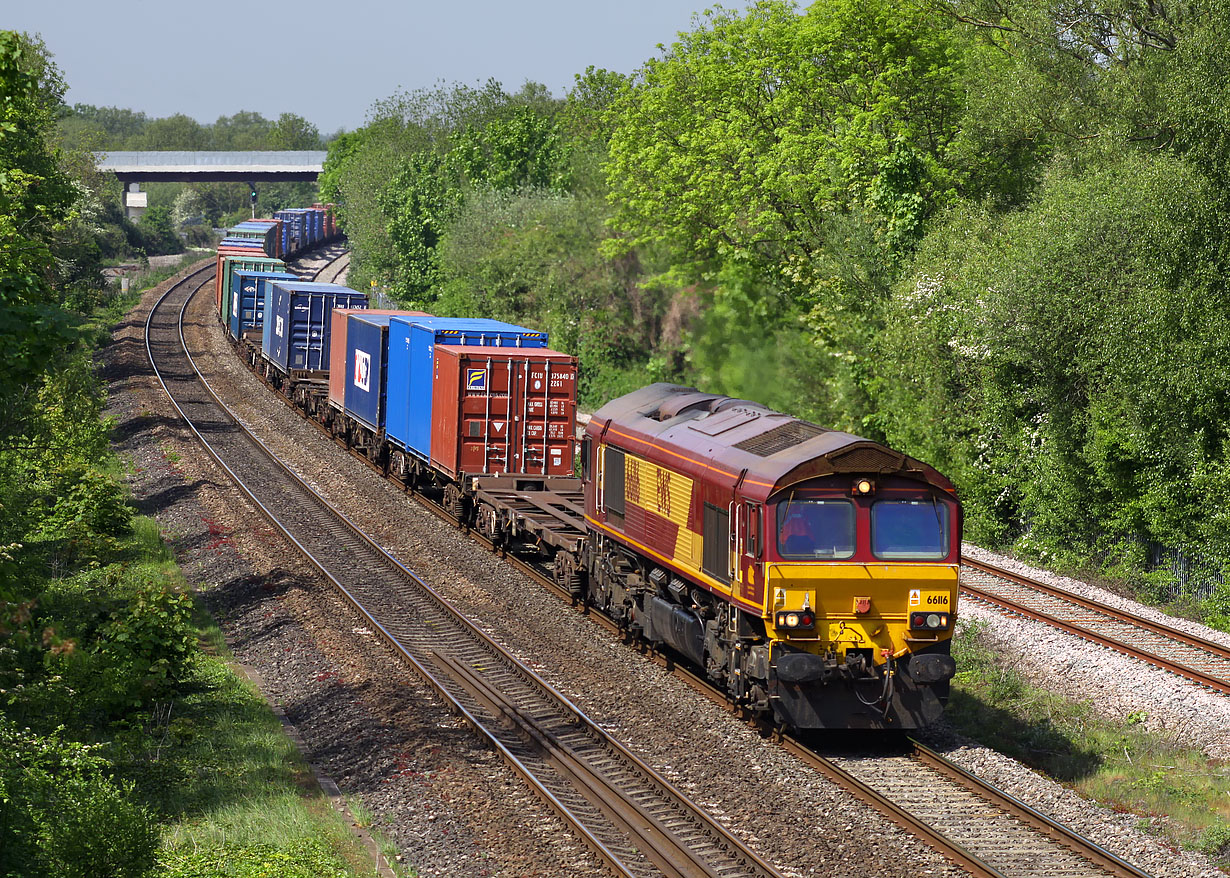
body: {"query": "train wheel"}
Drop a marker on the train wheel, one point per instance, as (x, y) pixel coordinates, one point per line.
(454, 503)
(489, 523)
(568, 573)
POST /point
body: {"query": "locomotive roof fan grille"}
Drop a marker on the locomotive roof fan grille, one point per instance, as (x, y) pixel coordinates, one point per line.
(867, 459)
(780, 438)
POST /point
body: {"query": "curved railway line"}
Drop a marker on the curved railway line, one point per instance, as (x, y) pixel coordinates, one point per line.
(629, 816)
(333, 269)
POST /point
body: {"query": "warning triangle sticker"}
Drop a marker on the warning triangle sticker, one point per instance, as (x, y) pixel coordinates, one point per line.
(497, 425)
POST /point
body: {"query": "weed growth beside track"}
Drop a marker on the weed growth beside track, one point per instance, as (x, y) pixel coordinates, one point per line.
(1177, 792)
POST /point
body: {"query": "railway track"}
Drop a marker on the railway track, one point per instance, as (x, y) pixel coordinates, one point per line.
(983, 829)
(333, 269)
(1193, 658)
(630, 816)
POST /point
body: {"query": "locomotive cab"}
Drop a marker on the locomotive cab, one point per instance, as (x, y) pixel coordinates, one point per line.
(861, 578)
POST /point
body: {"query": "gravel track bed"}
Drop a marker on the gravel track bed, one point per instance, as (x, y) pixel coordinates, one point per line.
(1169, 704)
(448, 803)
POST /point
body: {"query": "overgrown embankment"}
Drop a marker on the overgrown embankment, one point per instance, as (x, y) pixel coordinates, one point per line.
(135, 749)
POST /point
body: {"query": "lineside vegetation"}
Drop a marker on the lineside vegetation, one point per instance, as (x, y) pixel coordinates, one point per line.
(988, 232)
(129, 749)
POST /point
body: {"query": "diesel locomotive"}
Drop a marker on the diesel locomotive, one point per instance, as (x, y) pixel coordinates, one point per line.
(810, 573)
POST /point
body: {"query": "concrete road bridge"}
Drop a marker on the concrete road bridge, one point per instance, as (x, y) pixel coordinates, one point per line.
(151, 166)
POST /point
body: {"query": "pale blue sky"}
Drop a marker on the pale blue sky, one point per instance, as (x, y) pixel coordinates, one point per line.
(214, 59)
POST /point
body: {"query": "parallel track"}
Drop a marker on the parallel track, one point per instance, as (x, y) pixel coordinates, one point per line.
(983, 829)
(632, 818)
(332, 270)
(1176, 651)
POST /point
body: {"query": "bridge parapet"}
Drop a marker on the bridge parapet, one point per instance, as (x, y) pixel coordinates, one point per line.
(150, 166)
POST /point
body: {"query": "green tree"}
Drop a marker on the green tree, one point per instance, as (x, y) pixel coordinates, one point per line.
(37, 201)
(752, 130)
(1066, 362)
(244, 130)
(158, 235)
(173, 132)
(293, 132)
(93, 127)
(401, 179)
(798, 157)
(420, 202)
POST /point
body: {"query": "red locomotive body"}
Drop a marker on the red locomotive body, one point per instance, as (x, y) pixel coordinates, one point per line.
(812, 572)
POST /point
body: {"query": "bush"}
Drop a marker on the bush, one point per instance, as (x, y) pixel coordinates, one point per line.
(1216, 608)
(62, 814)
(88, 515)
(149, 649)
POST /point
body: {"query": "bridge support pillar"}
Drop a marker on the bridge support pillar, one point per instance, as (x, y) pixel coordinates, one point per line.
(135, 201)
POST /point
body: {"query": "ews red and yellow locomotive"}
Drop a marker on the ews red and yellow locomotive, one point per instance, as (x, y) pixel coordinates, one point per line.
(812, 573)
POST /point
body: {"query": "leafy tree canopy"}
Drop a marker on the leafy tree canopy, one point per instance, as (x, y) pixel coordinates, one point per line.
(752, 130)
(37, 201)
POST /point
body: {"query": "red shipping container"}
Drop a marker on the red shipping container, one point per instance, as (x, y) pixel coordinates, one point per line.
(330, 218)
(338, 370)
(497, 411)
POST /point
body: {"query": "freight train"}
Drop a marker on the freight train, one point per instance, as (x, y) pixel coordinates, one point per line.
(265, 245)
(808, 573)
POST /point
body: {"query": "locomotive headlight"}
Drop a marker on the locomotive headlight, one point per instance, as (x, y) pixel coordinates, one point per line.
(795, 619)
(864, 486)
(929, 621)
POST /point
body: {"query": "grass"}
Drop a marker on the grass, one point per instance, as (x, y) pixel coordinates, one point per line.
(230, 792)
(230, 785)
(362, 814)
(1176, 791)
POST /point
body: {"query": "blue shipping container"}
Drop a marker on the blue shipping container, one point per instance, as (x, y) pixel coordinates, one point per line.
(248, 302)
(411, 365)
(295, 335)
(257, 261)
(366, 362)
(292, 228)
